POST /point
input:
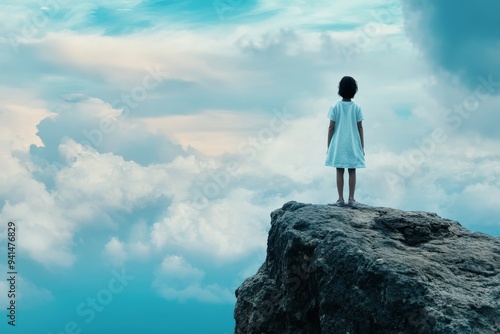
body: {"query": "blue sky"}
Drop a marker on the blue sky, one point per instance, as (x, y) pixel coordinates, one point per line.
(145, 143)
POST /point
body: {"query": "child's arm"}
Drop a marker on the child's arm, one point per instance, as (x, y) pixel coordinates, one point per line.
(331, 129)
(360, 130)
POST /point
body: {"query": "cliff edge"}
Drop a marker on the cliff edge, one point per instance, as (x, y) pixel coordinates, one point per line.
(371, 270)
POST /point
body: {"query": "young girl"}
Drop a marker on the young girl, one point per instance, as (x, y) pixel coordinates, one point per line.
(345, 139)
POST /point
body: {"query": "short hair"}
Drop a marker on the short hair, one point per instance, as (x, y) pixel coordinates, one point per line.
(348, 87)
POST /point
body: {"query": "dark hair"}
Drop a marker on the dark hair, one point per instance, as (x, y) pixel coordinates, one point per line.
(348, 87)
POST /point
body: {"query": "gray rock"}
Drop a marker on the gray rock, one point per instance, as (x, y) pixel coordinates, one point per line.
(371, 270)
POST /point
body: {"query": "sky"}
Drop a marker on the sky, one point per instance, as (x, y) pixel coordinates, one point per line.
(145, 143)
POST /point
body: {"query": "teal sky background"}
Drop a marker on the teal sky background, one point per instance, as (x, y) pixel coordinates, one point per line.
(145, 143)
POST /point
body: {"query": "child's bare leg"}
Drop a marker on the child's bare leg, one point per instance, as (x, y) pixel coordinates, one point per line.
(340, 183)
(352, 183)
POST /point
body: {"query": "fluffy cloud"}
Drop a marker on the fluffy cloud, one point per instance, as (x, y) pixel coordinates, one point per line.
(20, 113)
(176, 279)
(95, 124)
(46, 232)
(115, 251)
(222, 229)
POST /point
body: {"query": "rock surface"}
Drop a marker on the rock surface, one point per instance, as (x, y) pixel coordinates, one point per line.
(371, 270)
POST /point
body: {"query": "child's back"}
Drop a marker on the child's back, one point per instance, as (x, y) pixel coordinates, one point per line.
(346, 150)
(345, 138)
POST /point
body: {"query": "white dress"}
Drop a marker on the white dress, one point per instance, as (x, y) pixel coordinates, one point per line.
(345, 150)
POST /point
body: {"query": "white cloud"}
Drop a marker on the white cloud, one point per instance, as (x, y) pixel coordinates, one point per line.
(20, 112)
(223, 229)
(138, 244)
(177, 279)
(106, 180)
(175, 266)
(115, 252)
(45, 234)
(207, 294)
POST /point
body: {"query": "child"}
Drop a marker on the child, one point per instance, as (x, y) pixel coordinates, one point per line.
(345, 139)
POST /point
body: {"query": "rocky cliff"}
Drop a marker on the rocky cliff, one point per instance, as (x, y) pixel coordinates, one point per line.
(371, 270)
